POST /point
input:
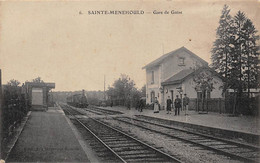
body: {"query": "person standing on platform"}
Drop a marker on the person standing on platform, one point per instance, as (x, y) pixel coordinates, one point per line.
(141, 105)
(177, 104)
(137, 103)
(156, 105)
(169, 104)
(186, 101)
(111, 103)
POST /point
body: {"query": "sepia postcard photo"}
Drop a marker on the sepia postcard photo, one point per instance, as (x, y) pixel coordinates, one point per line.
(130, 81)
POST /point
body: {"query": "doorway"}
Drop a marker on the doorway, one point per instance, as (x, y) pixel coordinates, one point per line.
(172, 95)
(37, 96)
(152, 96)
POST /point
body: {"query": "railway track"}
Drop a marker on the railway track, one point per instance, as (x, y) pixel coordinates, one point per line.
(229, 148)
(113, 142)
(245, 138)
(99, 111)
(106, 111)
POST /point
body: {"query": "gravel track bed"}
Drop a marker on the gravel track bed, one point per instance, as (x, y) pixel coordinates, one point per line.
(169, 122)
(184, 151)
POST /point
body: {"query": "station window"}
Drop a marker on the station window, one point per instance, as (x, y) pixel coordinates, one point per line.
(152, 81)
(208, 94)
(181, 61)
(152, 96)
(200, 95)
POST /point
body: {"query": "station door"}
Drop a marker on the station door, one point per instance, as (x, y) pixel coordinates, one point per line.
(37, 96)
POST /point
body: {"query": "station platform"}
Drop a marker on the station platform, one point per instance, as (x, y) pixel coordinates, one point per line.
(245, 124)
(47, 137)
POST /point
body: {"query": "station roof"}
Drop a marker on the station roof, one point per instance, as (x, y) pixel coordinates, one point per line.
(160, 59)
(184, 74)
(34, 84)
(179, 77)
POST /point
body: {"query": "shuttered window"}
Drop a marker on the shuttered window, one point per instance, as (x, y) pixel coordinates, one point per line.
(152, 81)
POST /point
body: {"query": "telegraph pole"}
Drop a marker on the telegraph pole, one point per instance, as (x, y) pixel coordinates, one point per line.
(1, 117)
(104, 87)
(162, 92)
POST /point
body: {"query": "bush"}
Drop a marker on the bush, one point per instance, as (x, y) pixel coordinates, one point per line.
(14, 108)
(245, 105)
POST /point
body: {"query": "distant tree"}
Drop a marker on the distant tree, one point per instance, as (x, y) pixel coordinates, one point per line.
(204, 84)
(14, 83)
(250, 52)
(235, 54)
(238, 58)
(94, 97)
(245, 58)
(143, 91)
(123, 89)
(135, 95)
(111, 93)
(222, 47)
(37, 80)
(12, 88)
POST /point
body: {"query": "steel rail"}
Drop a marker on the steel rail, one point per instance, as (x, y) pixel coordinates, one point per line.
(200, 134)
(101, 141)
(106, 110)
(147, 145)
(239, 145)
(87, 109)
(93, 111)
(127, 135)
(189, 141)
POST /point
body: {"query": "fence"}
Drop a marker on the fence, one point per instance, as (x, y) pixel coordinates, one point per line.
(211, 105)
(246, 106)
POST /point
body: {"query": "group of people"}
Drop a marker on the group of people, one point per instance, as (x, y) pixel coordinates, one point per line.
(140, 104)
(169, 104)
(177, 104)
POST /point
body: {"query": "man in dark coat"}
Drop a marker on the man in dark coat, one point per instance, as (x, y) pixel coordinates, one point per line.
(141, 105)
(111, 103)
(186, 101)
(177, 104)
(169, 104)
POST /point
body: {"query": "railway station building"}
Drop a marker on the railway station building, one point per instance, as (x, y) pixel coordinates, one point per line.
(38, 94)
(172, 74)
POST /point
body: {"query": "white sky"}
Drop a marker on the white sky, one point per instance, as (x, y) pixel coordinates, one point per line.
(53, 41)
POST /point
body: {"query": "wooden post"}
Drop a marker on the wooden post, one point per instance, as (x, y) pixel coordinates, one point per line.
(207, 101)
(225, 101)
(198, 106)
(26, 97)
(219, 105)
(1, 116)
(202, 101)
(224, 106)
